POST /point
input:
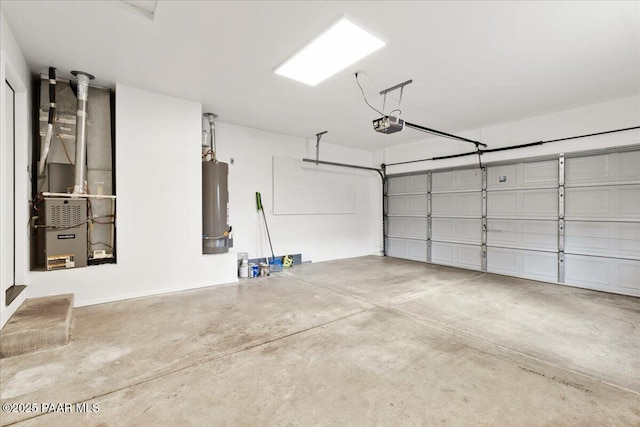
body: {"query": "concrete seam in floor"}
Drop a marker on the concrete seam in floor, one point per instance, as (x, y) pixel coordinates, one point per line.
(466, 334)
(201, 361)
(336, 292)
(401, 300)
(396, 300)
(504, 348)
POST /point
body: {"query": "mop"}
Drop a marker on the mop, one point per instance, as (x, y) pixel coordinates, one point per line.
(275, 265)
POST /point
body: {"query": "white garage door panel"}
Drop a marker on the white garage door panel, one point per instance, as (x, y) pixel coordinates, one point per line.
(629, 169)
(521, 263)
(629, 272)
(415, 250)
(629, 201)
(587, 271)
(629, 238)
(523, 175)
(502, 260)
(457, 230)
(466, 179)
(465, 256)
(457, 204)
(603, 202)
(588, 202)
(407, 205)
(603, 238)
(590, 169)
(528, 234)
(407, 227)
(540, 173)
(608, 274)
(407, 184)
(523, 203)
(603, 168)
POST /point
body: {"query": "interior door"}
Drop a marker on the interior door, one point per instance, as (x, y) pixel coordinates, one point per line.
(7, 221)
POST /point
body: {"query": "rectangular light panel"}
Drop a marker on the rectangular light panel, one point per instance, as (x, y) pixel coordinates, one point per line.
(340, 46)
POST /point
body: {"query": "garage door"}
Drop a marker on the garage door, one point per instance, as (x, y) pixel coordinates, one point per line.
(456, 212)
(602, 212)
(406, 217)
(573, 220)
(436, 217)
(522, 220)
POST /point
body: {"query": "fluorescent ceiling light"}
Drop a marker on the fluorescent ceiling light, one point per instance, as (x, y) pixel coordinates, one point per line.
(340, 46)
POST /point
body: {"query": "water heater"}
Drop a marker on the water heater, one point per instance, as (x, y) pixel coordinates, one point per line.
(215, 202)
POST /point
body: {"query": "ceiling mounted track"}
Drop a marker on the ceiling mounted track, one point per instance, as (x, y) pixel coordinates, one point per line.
(512, 147)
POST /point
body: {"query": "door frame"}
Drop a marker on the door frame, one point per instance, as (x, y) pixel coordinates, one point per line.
(19, 162)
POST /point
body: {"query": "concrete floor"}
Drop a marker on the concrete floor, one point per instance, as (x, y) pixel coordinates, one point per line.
(364, 341)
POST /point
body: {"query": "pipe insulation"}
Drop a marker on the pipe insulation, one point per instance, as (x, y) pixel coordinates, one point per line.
(81, 131)
(46, 145)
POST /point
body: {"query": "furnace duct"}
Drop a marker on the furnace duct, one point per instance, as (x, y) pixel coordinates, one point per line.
(81, 131)
(46, 146)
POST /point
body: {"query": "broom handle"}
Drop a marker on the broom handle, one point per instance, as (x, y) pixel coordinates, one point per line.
(260, 208)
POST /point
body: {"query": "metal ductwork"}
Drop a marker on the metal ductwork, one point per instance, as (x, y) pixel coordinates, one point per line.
(81, 131)
(46, 146)
(68, 231)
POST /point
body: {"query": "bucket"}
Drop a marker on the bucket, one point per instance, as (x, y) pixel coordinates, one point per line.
(242, 256)
(243, 270)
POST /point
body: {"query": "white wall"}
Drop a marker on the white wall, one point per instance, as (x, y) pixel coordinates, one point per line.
(158, 185)
(316, 237)
(159, 219)
(158, 182)
(621, 113)
(14, 69)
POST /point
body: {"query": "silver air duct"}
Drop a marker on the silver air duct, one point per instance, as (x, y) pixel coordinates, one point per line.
(46, 145)
(81, 130)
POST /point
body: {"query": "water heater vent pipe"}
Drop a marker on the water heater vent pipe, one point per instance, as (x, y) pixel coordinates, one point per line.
(212, 131)
(81, 130)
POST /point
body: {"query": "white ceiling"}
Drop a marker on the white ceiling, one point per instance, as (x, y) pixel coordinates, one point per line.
(473, 64)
